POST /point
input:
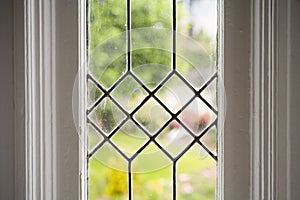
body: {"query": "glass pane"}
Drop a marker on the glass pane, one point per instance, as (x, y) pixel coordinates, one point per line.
(94, 93)
(94, 138)
(106, 18)
(129, 139)
(152, 99)
(175, 94)
(106, 183)
(197, 22)
(155, 185)
(129, 93)
(196, 181)
(197, 116)
(107, 116)
(174, 139)
(152, 116)
(154, 13)
(209, 139)
(107, 57)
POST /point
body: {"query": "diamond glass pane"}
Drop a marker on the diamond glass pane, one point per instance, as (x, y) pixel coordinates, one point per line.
(129, 93)
(210, 93)
(175, 93)
(94, 137)
(197, 116)
(174, 139)
(129, 138)
(107, 116)
(94, 93)
(209, 139)
(152, 116)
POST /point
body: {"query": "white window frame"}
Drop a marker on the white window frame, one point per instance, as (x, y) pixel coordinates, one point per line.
(254, 147)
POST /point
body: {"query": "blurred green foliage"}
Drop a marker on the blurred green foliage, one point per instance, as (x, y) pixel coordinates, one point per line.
(107, 26)
(107, 18)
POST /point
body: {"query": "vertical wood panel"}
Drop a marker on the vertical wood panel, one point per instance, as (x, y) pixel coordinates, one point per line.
(6, 101)
(66, 70)
(237, 87)
(294, 99)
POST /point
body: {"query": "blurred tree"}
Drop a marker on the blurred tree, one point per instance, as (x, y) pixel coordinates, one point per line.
(108, 19)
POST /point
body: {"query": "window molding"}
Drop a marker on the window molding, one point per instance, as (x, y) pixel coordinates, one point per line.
(51, 65)
(236, 58)
(40, 93)
(256, 83)
(269, 105)
(82, 52)
(221, 102)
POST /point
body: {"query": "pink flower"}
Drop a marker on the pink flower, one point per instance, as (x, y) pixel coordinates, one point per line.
(184, 177)
(187, 188)
(204, 119)
(209, 173)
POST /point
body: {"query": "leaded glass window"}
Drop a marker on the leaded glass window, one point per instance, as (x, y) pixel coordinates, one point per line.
(152, 111)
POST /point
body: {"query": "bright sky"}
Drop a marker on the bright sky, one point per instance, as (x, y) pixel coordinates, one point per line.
(204, 16)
